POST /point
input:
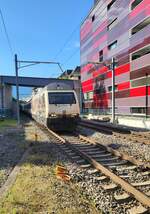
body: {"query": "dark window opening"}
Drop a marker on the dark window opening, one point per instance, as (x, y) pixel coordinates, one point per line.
(112, 45)
(101, 56)
(110, 4)
(141, 53)
(93, 18)
(135, 3)
(140, 26)
(112, 24)
(138, 110)
(110, 88)
(61, 98)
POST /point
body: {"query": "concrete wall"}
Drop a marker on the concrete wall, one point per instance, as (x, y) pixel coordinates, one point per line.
(5, 99)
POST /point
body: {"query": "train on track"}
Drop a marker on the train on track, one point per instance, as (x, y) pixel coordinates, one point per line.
(55, 106)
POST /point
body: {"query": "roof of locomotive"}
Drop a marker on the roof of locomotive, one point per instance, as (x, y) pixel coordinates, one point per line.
(59, 86)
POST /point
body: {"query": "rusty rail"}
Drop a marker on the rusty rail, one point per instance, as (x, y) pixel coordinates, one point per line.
(141, 197)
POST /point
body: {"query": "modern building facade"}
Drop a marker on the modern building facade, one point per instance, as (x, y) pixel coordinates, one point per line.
(120, 29)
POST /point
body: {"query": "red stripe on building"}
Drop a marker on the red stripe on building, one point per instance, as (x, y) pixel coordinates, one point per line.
(87, 88)
(86, 68)
(109, 75)
(122, 69)
(100, 28)
(87, 82)
(147, 12)
(98, 42)
(100, 71)
(123, 86)
(139, 8)
(86, 29)
(118, 71)
(137, 92)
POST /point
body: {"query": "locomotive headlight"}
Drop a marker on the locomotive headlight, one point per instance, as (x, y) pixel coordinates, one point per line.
(52, 115)
(75, 115)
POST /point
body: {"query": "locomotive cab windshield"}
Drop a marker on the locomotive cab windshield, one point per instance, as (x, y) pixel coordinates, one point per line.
(61, 98)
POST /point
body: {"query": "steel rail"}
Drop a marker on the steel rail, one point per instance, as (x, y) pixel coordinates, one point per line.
(118, 132)
(116, 153)
(141, 197)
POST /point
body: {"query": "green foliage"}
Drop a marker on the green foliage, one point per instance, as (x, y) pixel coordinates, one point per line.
(7, 123)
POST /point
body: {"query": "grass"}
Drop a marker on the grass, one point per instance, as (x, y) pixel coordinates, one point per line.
(8, 123)
(37, 190)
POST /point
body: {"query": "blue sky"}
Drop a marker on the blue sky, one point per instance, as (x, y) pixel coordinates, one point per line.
(38, 29)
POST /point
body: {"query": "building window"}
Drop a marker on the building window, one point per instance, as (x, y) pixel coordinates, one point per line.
(110, 88)
(90, 95)
(93, 18)
(112, 24)
(112, 45)
(140, 53)
(85, 96)
(140, 26)
(101, 56)
(135, 3)
(138, 110)
(110, 4)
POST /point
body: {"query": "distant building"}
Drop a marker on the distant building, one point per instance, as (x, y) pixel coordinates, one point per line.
(71, 74)
(65, 74)
(120, 29)
(75, 74)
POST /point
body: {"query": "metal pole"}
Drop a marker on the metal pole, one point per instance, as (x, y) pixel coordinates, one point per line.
(146, 100)
(113, 90)
(17, 90)
(60, 67)
(2, 96)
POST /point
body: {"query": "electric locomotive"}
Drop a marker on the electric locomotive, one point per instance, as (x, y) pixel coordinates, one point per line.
(56, 106)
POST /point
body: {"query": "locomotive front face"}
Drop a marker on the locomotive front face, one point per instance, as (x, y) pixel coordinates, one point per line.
(62, 103)
(63, 109)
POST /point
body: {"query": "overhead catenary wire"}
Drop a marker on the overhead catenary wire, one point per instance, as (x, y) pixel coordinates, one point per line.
(6, 32)
(69, 38)
(66, 42)
(71, 56)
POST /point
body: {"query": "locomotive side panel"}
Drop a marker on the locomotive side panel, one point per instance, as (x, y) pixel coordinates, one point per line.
(38, 108)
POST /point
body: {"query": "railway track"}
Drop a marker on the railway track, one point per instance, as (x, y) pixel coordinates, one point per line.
(127, 179)
(118, 132)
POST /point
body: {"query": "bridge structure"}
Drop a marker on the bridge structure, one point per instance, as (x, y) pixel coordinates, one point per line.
(6, 83)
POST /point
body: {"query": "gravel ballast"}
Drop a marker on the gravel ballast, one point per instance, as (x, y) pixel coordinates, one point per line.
(137, 150)
(37, 189)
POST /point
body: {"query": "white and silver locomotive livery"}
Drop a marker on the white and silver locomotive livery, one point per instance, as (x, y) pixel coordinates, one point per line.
(56, 106)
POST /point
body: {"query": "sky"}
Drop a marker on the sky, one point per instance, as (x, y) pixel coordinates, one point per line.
(38, 30)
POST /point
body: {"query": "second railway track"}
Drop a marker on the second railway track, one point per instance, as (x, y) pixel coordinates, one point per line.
(118, 132)
(127, 179)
